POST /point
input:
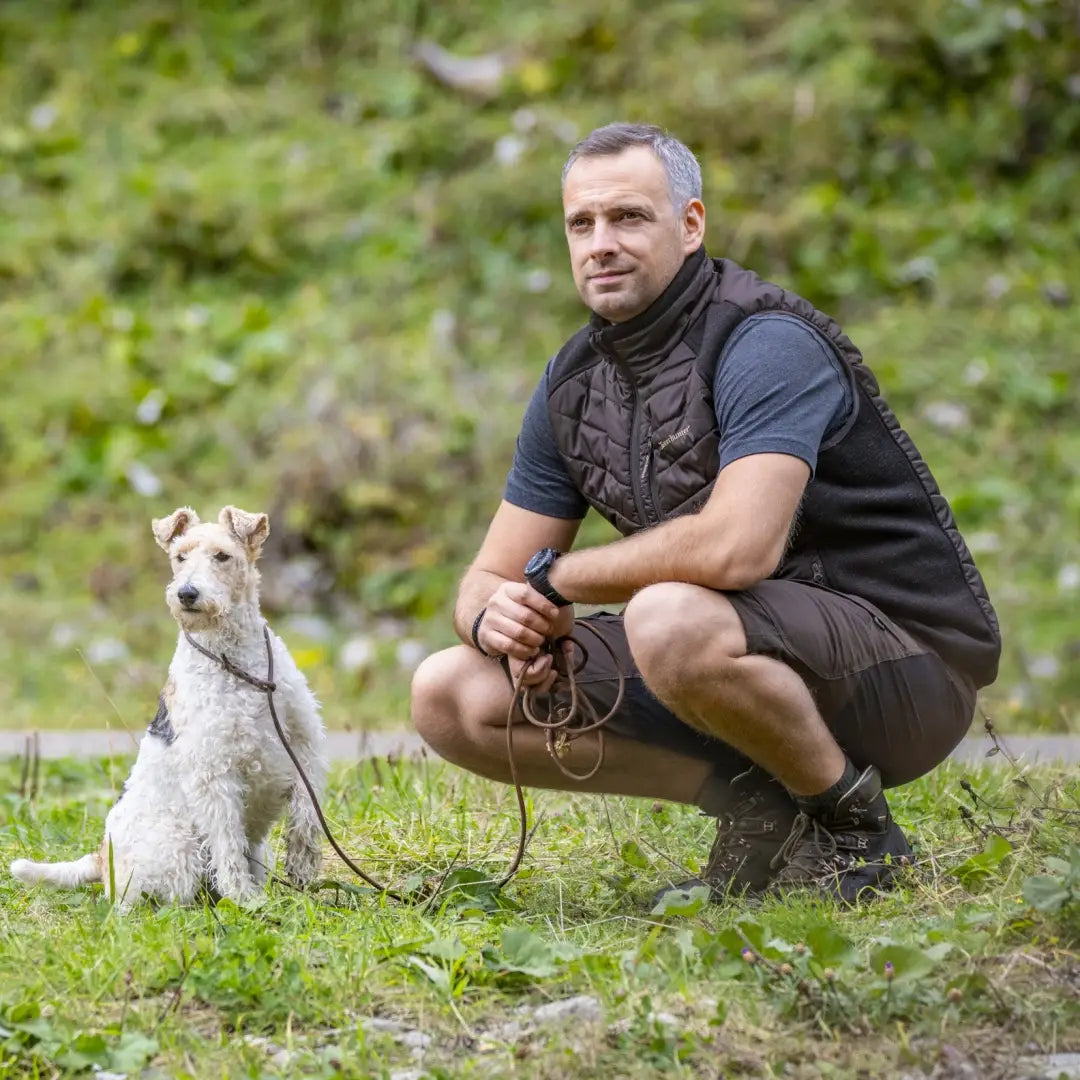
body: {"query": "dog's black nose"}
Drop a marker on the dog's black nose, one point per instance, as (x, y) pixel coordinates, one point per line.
(187, 594)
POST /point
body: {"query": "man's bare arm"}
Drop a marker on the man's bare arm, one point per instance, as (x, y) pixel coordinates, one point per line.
(513, 537)
(736, 540)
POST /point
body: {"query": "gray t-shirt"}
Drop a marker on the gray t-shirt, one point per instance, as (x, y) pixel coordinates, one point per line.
(779, 389)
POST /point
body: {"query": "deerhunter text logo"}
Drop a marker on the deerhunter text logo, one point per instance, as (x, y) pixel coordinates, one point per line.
(671, 438)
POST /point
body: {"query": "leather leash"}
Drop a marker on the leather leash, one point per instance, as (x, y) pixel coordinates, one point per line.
(564, 722)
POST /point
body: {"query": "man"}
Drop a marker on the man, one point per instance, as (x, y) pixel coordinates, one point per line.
(803, 625)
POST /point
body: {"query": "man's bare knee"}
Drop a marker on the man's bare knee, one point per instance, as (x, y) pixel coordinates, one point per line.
(455, 694)
(674, 625)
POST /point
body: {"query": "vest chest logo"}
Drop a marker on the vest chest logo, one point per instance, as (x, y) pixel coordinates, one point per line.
(682, 433)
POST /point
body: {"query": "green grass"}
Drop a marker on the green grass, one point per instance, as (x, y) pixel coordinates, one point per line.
(341, 982)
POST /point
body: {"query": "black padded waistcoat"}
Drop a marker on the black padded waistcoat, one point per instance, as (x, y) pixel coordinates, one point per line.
(632, 411)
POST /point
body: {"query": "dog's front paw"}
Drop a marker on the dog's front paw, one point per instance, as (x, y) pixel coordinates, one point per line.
(237, 887)
(302, 865)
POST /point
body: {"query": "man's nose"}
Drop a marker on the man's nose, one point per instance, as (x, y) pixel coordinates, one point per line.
(602, 241)
(187, 594)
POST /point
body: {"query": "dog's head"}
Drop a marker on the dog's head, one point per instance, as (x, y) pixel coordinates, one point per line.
(213, 563)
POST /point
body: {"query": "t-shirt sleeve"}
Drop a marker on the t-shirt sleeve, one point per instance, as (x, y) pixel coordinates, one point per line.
(779, 388)
(538, 479)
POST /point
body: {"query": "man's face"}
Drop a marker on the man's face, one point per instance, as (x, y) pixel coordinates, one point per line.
(626, 240)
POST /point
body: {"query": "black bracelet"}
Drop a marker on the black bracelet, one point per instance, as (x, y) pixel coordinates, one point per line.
(476, 631)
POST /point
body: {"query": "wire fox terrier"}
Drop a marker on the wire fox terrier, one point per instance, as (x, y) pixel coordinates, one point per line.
(211, 776)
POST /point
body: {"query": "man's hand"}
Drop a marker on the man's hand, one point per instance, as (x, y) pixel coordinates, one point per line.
(517, 623)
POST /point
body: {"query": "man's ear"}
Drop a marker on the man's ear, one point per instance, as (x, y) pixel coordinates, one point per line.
(250, 529)
(176, 524)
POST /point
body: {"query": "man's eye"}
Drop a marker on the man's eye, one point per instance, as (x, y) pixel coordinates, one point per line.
(222, 556)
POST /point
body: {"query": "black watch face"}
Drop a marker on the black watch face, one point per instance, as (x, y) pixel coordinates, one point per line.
(538, 562)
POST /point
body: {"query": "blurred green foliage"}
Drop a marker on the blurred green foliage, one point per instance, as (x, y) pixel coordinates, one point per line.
(259, 254)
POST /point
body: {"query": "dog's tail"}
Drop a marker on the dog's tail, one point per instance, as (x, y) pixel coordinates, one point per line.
(64, 875)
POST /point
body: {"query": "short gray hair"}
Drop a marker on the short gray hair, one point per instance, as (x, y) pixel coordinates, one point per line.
(682, 168)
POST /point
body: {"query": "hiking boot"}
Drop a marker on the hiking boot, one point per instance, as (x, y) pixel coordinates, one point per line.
(749, 836)
(840, 851)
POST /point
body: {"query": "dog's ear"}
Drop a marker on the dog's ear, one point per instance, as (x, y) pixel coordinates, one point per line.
(176, 524)
(250, 529)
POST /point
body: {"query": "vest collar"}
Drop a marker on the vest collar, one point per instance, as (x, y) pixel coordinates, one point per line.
(643, 342)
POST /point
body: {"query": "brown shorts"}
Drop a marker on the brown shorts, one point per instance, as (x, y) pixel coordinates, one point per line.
(888, 700)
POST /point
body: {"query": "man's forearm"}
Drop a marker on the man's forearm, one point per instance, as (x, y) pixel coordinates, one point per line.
(689, 549)
(473, 594)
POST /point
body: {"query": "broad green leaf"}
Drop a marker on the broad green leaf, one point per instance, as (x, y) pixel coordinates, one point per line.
(1046, 894)
(524, 952)
(909, 963)
(132, 1052)
(682, 902)
(829, 947)
(633, 855)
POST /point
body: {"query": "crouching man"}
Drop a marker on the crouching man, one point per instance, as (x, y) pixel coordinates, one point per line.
(803, 623)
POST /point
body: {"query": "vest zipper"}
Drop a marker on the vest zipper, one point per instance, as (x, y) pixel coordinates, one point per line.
(639, 468)
(637, 471)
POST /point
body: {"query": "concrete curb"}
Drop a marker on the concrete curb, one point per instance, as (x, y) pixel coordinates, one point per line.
(356, 746)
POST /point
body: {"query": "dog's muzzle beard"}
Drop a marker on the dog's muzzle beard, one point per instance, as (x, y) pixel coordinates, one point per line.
(199, 614)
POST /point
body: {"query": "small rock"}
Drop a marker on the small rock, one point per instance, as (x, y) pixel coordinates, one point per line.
(1069, 577)
(997, 285)
(148, 411)
(1057, 293)
(1044, 667)
(357, 655)
(975, 373)
(24, 581)
(920, 269)
(106, 651)
(524, 120)
(663, 1019)
(947, 416)
(409, 653)
(43, 116)
(582, 1007)
(1054, 1067)
(63, 635)
(444, 326)
(479, 75)
(195, 317)
(314, 627)
(143, 481)
(510, 149)
(537, 281)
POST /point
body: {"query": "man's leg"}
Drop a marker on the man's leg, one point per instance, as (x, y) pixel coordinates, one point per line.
(691, 648)
(802, 681)
(460, 702)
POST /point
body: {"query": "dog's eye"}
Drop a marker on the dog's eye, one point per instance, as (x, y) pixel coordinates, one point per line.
(222, 556)
(180, 558)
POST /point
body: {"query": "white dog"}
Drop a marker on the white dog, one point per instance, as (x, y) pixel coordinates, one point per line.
(211, 776)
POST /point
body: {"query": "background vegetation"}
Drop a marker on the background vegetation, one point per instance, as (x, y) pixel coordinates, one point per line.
(264, 254)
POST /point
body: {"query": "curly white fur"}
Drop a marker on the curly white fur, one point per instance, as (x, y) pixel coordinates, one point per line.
(211, 776)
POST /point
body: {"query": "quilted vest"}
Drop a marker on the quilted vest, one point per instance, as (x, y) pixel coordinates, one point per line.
(631, 406)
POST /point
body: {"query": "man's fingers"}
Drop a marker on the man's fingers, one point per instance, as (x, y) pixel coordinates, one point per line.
(538, 670)
(522, 593)
(503, 636)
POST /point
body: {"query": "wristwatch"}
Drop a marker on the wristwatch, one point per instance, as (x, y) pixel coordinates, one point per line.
(536, 574)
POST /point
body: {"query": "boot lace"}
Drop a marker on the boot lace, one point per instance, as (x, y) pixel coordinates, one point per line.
(734, 834)
(812, 852)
